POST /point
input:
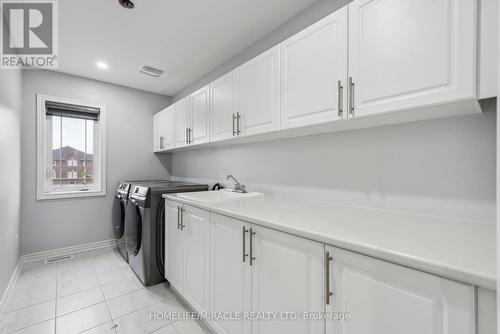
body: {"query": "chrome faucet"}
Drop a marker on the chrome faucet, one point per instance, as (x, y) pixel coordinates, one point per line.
(238, 187)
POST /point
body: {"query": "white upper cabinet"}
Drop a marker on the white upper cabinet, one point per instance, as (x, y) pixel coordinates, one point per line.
(168, 124)
(199, 127)
(402, 60)
(157, 135)
(287, 273)
(314, 73)
(405, 54)
(384, 298)
(231, 276)
(258, 92)
(163, 130)
(182, 121)
(224, 98)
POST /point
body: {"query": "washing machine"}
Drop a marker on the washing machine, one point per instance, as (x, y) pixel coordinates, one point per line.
(118, 212)
(144, 234)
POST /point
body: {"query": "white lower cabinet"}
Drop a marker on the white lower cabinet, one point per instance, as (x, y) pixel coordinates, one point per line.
(287, 276)
(187, 252)
(196, 234)
(384, 298)
(227, 266)
(231, 277)
(174, 246)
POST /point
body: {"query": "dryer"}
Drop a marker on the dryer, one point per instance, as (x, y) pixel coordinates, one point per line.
(145, 225)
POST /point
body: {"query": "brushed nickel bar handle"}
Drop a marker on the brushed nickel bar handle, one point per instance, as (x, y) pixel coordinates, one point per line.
(234, 131)
(340, 98)
(351, 96)
(238, 123)
(178, 217)
(328, 294)
(252, 258)
(244, 231)
(162, 139)
(187, 141)
(182, 218)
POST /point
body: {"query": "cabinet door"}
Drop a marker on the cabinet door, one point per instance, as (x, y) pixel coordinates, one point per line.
(405, 54)
(174, 247)
(157, 131)
(314, 73)
(230, 291)
(196, 257)
(258, 91)
(182, 117)
(168, 127)
(224, 105)
(287, 276)
(200, 116)
(384, 298)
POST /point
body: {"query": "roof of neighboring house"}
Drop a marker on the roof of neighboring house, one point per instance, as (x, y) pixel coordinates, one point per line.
(65, 151)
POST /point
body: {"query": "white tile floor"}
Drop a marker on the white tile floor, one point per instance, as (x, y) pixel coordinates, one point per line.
(96, 292)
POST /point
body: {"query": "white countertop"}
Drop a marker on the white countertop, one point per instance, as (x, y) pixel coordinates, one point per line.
(459, 249)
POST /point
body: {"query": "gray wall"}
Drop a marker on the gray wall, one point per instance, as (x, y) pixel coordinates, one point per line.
(302, 20)
(10, 172)
(444, 167)
(52, 224)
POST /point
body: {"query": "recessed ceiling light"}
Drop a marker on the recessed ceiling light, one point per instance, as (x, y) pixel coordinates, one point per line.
(102, 65)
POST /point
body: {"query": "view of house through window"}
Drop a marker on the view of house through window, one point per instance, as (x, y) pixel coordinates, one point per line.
(72, 145)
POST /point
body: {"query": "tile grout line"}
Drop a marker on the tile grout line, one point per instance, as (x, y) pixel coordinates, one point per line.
(104, 296)
(35, 323)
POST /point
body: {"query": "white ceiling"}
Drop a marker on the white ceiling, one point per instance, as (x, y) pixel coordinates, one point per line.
(184, 38)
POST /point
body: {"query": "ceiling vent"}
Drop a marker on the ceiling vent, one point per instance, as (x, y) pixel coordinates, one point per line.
(151, 71)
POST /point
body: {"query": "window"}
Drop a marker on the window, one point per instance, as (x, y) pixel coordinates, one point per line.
(71, 148)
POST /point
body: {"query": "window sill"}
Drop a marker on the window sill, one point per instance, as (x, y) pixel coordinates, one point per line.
(70, 194)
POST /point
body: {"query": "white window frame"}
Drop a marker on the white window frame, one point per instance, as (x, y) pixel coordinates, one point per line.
(75, 164)
(42, 158)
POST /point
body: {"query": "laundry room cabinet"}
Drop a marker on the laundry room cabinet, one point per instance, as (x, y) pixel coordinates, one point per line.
(385, 298)
(223, 107)
(370, 63)
(314, 73)
(222, 264)
(163, 130)
(174, 246)
(257, 269)
(182, 122)
(199, 127)
(287, 275)
(231, 288)
(258, 104)
(187, 252)
(405, 54)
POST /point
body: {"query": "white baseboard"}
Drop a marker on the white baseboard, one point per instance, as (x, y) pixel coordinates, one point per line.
(10, 286)
(45, 255)
(68, 250)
